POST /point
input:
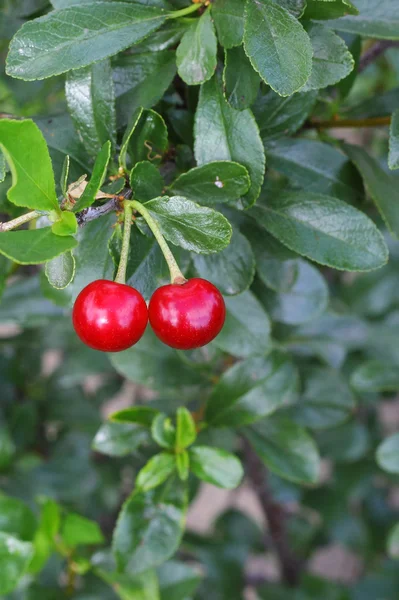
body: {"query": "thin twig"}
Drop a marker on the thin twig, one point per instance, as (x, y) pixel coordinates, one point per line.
(374, 52)
(94, 212)
(290, 565)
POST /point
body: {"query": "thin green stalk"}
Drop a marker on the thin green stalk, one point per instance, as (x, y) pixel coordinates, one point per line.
(176, 276)
(127, 226)
(184, 11)
(20, 220)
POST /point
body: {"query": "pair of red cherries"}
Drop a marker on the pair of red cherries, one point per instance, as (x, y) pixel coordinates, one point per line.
(112, 317)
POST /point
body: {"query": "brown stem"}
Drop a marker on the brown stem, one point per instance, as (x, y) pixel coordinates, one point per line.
(290, 565)
(348, 123)
(374, 52)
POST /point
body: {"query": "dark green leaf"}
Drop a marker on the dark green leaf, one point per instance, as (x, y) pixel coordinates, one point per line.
(149, 139)
(178, 580)
(277, 116)
(119, 438)
(252, 390)
(14, 560)
(7, 448)
(316, 167)
(146, 181)
(222, 133)
(79, 531)
(247, 327)
(381, 186)
(329, 9)
(324, 229)
(277, 45)
(295, 7)
(49, 45)
(229, 20)
(189, 225)
(347, 443)
(196, 54)
(149, 528)
(231, 270)
(66, 225)
(393, 157)
(380, 105)
(286, 449)
(393, 542)
(91, 102)
(376, 376)
(27, 155)
(186, 432)
(388, 454)
(97, 179)
(216, 466)
(60, 271)
(33, 246)
(241, 82)
(141, 415)
(141, 80)
(331, 61)
(158, 469)
(133, 122)
(23, 303)
(306, 299)
(16, 518)
(215, 182)
(376, 19)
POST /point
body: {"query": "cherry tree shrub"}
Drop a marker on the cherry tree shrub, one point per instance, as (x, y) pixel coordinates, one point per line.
(199, 280)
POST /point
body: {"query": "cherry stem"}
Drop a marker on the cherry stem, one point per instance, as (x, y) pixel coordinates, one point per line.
(185, 11)
(9, 225)
(176, 276)
(127, 226)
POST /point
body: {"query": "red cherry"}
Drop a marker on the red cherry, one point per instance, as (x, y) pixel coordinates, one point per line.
(187, 316)
(109, 316)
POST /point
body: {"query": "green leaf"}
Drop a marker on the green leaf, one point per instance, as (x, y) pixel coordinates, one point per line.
(286, 449)
(135, 118)
(388, 454)
(347, 443)
(119, 438)
(183, 465)
(222, 133)
(7, 448)
(49, 45)
(247, 327)
(278, 117)
(60, 271)
(277, 45)
(220, 181)
(158, 469)
(141, 415)
(252, 390)
(326, 400)
(163, 431)
(16, 518)
(393, 542)
(381, 186)
(146, 181)
(44, 540)
(316, 167)
(379, 105)
(329, 9)
(79, 531)
(186, 432)
(32, 174)
(149, 528)
(232, 269)
(304, 301)
(141, 80)
(140, 587)
(229, 21)
(241, 82)
(149, 139)
(189, 225)
(66, 225)
(376, 19)
(216, 466)
(65, 174)
(324, 229)
(178, 580)
(295, 7)
(393, 156)
(14, 560)
(332, 60)
(376, 376)
(196, 54)
(97, 179)
(34, 246)
(2, 167)
(91, 102)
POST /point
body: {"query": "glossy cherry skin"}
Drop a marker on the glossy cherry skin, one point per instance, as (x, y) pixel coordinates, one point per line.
(109, 316)
(187, 316)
